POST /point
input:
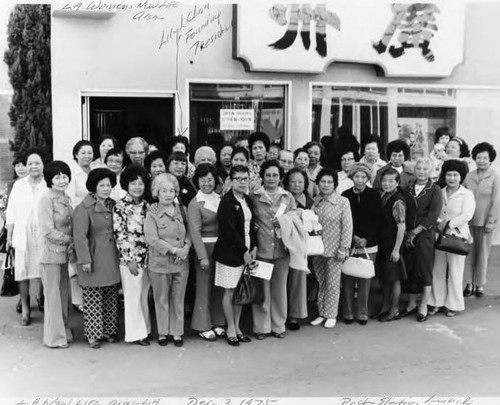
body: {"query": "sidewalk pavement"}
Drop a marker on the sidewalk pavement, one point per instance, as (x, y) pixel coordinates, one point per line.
(457, 356)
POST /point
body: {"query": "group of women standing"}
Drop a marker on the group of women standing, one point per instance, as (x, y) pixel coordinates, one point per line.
(100, 226)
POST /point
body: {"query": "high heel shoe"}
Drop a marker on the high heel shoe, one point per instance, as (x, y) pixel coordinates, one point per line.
(178, 341)
(232, 341)
(469, 290)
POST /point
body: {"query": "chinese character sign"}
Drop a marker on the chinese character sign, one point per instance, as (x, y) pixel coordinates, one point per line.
(415, 26)
(304, 14)
(403, 39)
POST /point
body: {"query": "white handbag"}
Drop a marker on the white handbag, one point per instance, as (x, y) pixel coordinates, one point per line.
(314, 231)
(314, 243)
(359, 267)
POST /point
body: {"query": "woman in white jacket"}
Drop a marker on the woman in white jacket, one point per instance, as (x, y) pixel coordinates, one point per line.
(458, 209)
(21, 226)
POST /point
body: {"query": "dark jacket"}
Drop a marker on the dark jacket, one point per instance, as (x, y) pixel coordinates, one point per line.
(95, 243)
(425, 208)
(366, 208)
(186, 191)
(230, 246)
(309, 203)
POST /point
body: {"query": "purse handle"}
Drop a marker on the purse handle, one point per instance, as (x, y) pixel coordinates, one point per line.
(364, 249)
(8, 258)
(447, 227)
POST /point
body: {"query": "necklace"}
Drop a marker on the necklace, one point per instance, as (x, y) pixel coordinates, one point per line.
(272, 195)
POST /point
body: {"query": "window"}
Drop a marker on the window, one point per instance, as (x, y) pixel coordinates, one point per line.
(412, 113)
(219, 112)
(123, 117)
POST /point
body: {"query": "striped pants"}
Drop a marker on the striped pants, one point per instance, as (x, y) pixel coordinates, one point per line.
(100, 311)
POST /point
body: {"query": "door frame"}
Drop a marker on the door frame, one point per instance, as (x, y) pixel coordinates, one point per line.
(84, 123)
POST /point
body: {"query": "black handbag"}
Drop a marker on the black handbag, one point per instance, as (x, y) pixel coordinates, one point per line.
(248, 290)
(452, 243)
(10, 286)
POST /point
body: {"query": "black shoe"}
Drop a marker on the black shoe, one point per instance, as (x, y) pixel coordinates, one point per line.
(421, 317)
(293, 326)
(469, 290)
(243, 338)
(479, 293)
(143, 342)
(362, 322)
(232, 341)
(387, 317)
(278, 335)
(406, 313)
(380, 315)
(348, 321)
(178, 342)
(260, 336)
(163, 341)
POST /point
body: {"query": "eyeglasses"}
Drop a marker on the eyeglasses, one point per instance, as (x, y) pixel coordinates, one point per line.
(286, 162)
(241, 179)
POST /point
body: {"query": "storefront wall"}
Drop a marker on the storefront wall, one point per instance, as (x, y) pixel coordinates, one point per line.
(123, 55)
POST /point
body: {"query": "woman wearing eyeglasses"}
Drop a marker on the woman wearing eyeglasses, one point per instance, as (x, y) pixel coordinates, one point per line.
(136, 149)
(270, 201)
(235, 247)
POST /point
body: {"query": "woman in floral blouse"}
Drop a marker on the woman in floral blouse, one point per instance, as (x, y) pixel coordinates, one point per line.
(128, 226)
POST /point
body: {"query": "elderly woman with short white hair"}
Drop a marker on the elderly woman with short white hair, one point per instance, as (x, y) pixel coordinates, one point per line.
(169, 242)
(204, 154)
(424, 201)
(136, 149)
